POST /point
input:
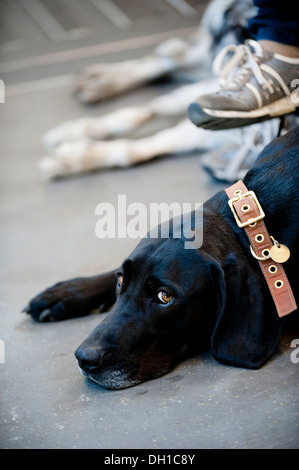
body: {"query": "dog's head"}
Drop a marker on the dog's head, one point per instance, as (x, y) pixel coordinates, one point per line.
(161, 315)
(173, 302)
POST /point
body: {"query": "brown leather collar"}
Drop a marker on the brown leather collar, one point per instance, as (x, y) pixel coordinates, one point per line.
(249, 214)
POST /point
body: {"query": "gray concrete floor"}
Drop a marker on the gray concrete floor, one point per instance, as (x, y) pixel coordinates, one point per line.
(47, 234)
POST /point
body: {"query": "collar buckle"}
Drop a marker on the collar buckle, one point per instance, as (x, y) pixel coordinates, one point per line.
(252, 220)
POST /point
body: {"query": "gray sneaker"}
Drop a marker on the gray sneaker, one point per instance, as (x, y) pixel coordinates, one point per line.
(256, 85)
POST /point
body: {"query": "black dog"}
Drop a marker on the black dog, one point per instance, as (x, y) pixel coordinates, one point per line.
(172, 303)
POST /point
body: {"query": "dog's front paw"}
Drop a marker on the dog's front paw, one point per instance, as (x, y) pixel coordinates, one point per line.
(69, 131)
(68, 299)
(96, 83)
(67, 159)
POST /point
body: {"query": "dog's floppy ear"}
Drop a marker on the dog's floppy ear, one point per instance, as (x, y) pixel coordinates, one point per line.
(245, 334)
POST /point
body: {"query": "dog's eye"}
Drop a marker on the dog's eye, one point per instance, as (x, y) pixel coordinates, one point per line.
(120, 280)
(164, 297)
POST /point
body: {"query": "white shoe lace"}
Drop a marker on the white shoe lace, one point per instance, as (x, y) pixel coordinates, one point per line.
(244, 57)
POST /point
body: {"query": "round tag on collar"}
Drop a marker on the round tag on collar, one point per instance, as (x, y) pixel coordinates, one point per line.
(279, 253)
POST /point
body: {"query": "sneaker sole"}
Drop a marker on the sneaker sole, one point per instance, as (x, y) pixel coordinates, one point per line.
(218, 119)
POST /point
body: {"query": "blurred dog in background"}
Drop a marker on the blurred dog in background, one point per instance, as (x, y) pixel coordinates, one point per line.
(93, 143)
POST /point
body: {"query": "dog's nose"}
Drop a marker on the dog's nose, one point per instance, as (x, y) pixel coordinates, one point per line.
(88, 357)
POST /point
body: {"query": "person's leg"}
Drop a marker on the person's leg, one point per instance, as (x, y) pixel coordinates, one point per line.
(275, 26)
(258, 81)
